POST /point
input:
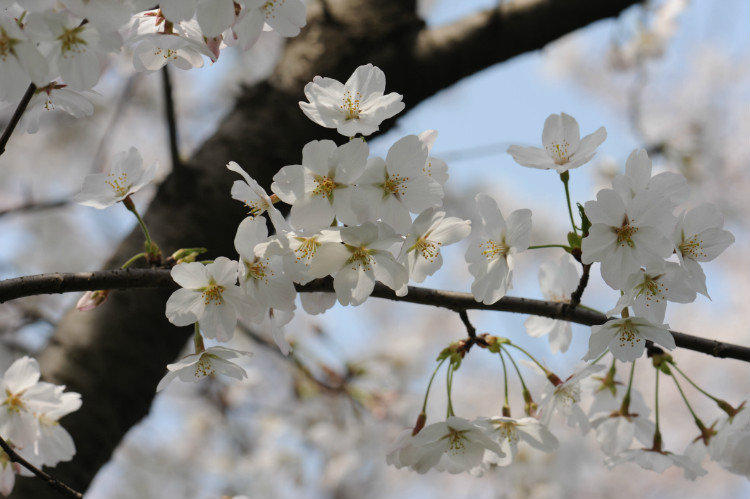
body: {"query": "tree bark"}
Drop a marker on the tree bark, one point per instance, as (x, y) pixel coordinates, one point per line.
(115, 355)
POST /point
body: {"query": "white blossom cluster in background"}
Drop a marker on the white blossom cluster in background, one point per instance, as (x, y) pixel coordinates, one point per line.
(29, 416)
(62, 46)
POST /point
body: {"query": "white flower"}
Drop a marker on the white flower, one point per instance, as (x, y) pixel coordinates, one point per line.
(729, 447)
(657, 461)
(209, 296)
(357, 106)
(285, 17)
(390, 189)
(492, 247)
(637, 178)
(420, 253)
(627, 234)
(126, 176)
(54, 97)
(698, 237)
(435, 168)
(616, 430)
(20, 61)
(261, 272)
(508, 432)
(54, 443)
(563, 147)
(648, 290)
(255, 198)
(199, 365)
(626, 338)
(321, 187)
(302, 249)
(557, 281)
(454, 445)
(362, 258)
(564, 398)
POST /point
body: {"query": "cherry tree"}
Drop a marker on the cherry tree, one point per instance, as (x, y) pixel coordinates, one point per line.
(323, 216)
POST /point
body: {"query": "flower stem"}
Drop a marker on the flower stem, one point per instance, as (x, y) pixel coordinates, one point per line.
(132, 260)
(153, 253)
(542, 246)
(429, 385)
(704, 392)
(565, 177)
(625, 407)
(506, 405)
(449, 386)
(546, 371)
(198, 340)
(684, 398)
(657, 431)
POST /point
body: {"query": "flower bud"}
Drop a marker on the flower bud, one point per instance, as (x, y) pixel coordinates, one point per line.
(92, 299)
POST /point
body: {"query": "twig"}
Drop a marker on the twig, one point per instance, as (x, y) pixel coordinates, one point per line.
(174, 151)
(16, 117)
(575, 297)
(56, 484)
(35, 206)
(452, 300)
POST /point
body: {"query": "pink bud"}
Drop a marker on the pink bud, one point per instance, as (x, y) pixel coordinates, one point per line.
(92, 299)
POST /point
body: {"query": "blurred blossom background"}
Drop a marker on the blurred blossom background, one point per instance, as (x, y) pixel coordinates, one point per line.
(672, 77)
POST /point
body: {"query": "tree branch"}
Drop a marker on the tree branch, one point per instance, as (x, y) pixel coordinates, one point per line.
(56, 484)
(452, 300)
(16, 116)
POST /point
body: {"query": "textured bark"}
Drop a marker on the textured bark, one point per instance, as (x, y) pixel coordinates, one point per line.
(115, 355)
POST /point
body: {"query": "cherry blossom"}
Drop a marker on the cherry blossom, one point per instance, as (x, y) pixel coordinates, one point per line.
(492, 248)
(20, 61)
(616, 428)
(637, 178)
(362, 258)
(657, 461)
(455, 445)
(565, 397)
(729, 447)
(321, 187)
(390, 189)
(508, 432)
(126, 176)
(355, 107)
(564, 148)
(626, 338)
(627, 234)
(557, 282)
(261, 273)
(255, 198)
(648, 290)
(699, 237)
(56, 97)
(197, 366)
(420, 253)
(209, 295)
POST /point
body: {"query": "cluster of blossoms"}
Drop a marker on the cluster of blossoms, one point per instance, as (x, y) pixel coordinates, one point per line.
(62, 46)
(29, 420)
(357, 219)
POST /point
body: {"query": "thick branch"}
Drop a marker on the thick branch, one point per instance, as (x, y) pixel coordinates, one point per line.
(453, 300)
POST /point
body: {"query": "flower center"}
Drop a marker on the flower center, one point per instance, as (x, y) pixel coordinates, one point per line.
(306, 250)
(628, 334)
(212, 293)
(508, 431)
(692, 248)
(204, 367)
(456, 438)
(14, 402)
(119, 184)
(325, 187)
(360, 258)
(429, 249)
(6, 44)
(568, 394)
(394, 184)
(258, 270)
(494, 249)
(652, 288)
(351, 105)
(559, 152)
(71, 41)
(269, 8)
(625, 234)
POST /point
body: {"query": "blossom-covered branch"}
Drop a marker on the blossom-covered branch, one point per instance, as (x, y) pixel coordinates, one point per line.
(141, 278)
